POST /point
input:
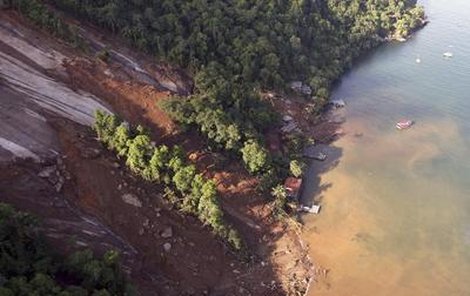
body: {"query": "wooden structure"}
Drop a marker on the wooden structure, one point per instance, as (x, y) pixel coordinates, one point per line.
(292, 186)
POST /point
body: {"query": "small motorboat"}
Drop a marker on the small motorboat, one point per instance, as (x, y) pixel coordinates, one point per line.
(448, 54)
(404, 124)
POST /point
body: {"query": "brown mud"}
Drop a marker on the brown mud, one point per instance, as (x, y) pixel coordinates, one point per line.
(130, 214)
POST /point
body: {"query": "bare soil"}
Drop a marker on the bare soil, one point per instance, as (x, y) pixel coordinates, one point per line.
(197, 263)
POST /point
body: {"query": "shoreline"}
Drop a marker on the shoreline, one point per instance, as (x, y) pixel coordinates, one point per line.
(327, 129)
(333, 117)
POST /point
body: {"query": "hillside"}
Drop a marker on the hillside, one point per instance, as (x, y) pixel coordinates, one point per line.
(234, 49)
(213, 78)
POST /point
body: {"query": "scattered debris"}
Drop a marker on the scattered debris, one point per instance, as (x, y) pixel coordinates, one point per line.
(300, 87)
(292, 186)
(47, 171)
(358, 135)
(289, 127)
(90, 153)
(339, 103)
(146, 223)
(59, 184)
(296, 85)
(320, 156)
(404, 124)
(306, 90)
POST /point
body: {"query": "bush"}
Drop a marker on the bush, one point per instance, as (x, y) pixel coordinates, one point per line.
(297, 168)
(103, 55)
(279, 194)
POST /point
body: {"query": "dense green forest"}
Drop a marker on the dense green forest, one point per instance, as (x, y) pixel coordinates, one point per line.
(28, 266)
(236, 48)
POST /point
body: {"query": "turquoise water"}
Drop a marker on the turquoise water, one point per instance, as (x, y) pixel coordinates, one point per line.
(396, 207)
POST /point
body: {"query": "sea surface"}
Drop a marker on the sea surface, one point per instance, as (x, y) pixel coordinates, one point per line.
(395, 216)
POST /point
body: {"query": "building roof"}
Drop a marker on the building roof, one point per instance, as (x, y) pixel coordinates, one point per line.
(292, 186)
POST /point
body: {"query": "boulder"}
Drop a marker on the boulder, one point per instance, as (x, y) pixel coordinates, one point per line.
(59, 184)
(306, 90)
(90, 153)
(288, 128)
(296, 85)
(132, 200)
(167, 233)
(287, 118)
(47, 171)
(167, 247)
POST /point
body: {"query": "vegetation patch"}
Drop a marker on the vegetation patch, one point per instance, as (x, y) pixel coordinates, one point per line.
(28, 266)
(184, 187)
(43, 17)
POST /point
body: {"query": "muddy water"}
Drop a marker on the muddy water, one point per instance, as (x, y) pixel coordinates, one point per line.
(396, 204)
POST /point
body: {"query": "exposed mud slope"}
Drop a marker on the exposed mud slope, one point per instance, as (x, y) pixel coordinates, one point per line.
(33, 94)
(49, 92)
(192, 260)
(135, 101)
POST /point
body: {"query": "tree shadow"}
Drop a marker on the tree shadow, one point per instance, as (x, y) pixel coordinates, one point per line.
(312, 188)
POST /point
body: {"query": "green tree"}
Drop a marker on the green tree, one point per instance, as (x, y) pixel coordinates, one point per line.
(279, 194)
(120, 139)
(208, 207)
(105, 126)
(191, 201)
(183, 178)
(157, 164)
(296, 168)
(139, 153)
(254, 156)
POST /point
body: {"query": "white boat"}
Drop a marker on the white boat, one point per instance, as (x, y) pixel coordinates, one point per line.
(448, 54)
(404, 124)
(314, 209)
